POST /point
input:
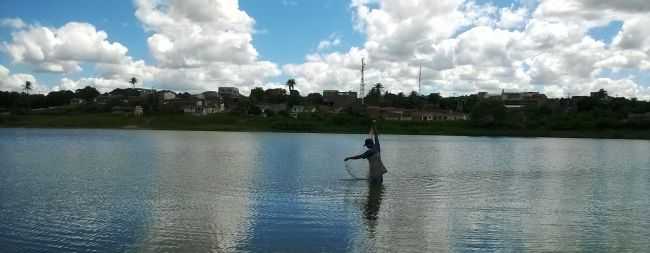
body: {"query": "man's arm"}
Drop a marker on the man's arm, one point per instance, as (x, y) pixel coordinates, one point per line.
(365, 155)
(376, 136)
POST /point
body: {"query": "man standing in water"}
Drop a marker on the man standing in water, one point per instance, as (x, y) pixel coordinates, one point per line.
(377, 169)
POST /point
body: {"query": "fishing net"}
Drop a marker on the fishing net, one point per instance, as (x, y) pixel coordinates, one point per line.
(357, 169)
(360, 168)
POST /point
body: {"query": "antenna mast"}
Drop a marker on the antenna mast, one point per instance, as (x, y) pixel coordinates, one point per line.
(363, 82)
(420, 80)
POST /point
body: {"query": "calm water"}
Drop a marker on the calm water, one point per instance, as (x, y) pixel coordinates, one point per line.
(165, 191)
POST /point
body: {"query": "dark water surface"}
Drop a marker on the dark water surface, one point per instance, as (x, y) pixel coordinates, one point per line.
(166, 191)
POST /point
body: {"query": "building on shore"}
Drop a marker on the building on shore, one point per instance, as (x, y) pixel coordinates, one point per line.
(514, 100)
(229, 91)
(275, 92)
(440, 115)
(167, 95)
(338, 99)
(268, 109)
(400, 114)
(138, 111)
(202, 107)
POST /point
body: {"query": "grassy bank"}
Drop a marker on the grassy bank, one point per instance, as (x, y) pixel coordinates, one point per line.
(336, 124)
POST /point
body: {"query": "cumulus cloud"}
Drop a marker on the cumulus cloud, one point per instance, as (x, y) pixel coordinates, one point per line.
(513, 18)
(634, 35)
(16, 82)
(197, 45)
(15, 23)
(200, 45)
(332, 41)
(63, 49)
(465, 47)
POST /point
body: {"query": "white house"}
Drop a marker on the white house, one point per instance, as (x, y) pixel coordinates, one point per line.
(168, 95)
(138, 111)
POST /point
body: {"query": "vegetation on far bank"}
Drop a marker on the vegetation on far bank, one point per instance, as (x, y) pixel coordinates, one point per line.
(595, 116)
(334, 124)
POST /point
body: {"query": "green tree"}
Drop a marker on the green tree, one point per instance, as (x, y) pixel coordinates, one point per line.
(315, 99)
(374, 96)
(27, 87)
(257, 95)
(59, 98)
(291, 83)
(87, 93)
(489, 112)
(133, 81)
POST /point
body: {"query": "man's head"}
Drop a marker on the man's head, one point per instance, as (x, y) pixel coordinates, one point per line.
(368, 143)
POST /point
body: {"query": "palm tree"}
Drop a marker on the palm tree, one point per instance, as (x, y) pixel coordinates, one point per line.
(27, 87)
(378, 87)
(133, 81)
(291, 83)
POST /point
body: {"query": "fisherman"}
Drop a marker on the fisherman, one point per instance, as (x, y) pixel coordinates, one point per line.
(373, 154)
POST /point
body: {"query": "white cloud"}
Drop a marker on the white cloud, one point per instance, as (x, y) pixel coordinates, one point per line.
(332, 41)
(635, 34)
(465, 47)
(15, 23)
(196, 33)
(513, 18)
(200, 45)
(289, 3)
(63, 49)
(16, 82)
(101, 84)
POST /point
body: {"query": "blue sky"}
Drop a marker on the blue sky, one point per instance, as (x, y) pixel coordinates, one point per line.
(454, 38)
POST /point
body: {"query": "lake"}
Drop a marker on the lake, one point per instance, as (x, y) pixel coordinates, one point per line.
(175, 191)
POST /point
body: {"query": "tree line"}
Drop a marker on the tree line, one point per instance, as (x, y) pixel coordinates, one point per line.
(593, 112)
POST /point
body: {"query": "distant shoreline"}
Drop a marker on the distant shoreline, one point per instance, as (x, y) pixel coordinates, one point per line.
(350, 125)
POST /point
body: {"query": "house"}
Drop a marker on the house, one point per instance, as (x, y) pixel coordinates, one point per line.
(295, 110)
(324, 109)
(202, 107)
(513, 100)
(298, 109)
(77, 101)
(168, 95)
(521, 99)
(310, 109)
(105, 98)
(639, 116)
(212, 95)
(389, 113)
(440, 115)
(273, 108)
(397, 114)
(229, 91)
(121, 109)
(138, 111)
(275, 92)
(339, 99)
(144, 92)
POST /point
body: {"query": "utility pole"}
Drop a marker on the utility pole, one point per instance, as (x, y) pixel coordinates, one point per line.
(362, 91)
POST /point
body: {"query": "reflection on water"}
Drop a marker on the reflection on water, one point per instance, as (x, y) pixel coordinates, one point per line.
(165, 191)
(371, 208)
